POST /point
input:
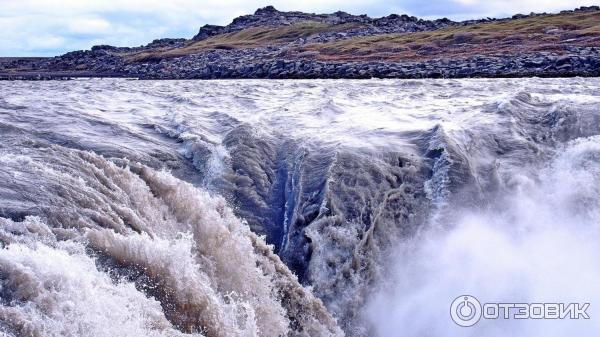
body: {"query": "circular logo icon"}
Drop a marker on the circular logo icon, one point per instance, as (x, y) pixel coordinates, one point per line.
(465, 310)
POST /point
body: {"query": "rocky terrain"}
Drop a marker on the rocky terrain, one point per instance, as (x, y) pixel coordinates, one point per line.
(275, 44)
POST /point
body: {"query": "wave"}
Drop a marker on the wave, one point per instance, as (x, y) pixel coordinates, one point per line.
(275, 208)
(164, 246)
(536, 244)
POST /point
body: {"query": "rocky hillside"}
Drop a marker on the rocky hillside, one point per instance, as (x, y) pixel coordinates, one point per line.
(275, 44)
(355, 25)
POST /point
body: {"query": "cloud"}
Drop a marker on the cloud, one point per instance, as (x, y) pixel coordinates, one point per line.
(466, 9)
(89, 26)
(45, 42)
(51, 27)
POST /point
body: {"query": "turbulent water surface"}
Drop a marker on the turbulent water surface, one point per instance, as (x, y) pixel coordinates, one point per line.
(296, 208)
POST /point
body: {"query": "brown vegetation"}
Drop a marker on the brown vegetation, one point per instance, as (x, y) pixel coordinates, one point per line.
(517, 36)
(248, 38)
(531, 34)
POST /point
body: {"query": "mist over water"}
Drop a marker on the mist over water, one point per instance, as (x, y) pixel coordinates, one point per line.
(296, 208)
(537, 244)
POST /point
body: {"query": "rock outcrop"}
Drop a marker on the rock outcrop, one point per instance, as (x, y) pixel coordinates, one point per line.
(271, 17)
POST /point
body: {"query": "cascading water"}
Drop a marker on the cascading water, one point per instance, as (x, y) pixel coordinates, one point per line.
(294, 208)
(536, 243)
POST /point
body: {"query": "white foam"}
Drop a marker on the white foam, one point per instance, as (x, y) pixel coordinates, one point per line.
(539, 244)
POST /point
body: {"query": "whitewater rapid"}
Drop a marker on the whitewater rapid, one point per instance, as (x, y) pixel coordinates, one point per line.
(295, 208)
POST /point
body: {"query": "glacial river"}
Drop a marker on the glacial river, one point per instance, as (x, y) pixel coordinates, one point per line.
(296, 208)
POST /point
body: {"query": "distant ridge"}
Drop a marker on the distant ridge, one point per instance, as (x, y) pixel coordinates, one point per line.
(271, 17)
(276, 44)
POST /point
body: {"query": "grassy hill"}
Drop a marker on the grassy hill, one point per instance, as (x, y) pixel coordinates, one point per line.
(522, 35)
(532, 34)
(254, 37)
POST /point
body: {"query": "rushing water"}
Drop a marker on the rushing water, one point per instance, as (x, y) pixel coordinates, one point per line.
(296, 208)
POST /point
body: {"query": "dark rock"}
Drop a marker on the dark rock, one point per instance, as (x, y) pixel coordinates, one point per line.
(588, 9)
(268, 10)
(161, 43)
(563, 60)
(103, 47)
(207, 31)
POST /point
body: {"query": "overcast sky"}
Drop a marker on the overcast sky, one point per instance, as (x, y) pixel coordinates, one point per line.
(52, 27)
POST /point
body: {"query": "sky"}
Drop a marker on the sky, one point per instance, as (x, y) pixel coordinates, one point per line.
(53, 27)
